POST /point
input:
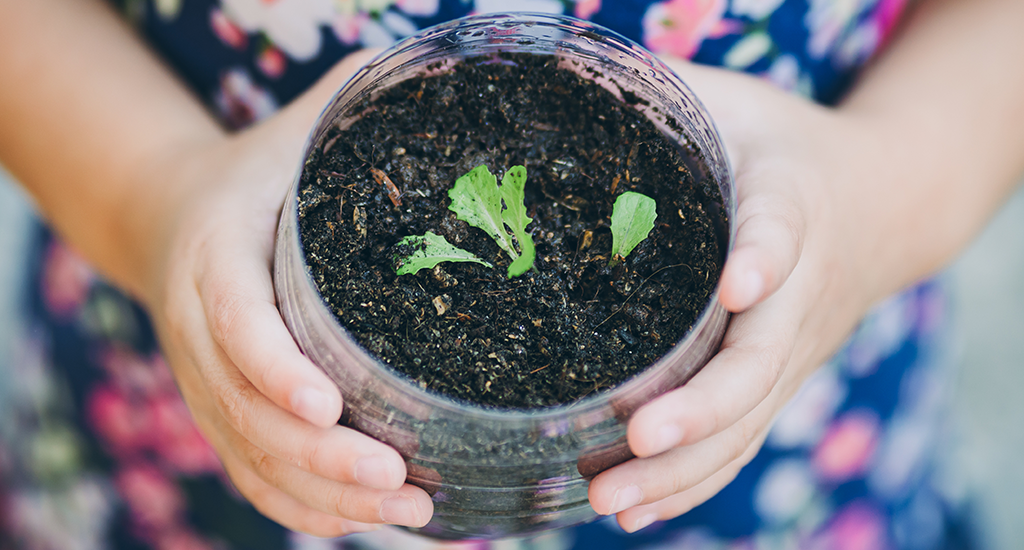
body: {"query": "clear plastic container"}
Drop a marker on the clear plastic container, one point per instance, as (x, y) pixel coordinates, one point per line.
(494, 489)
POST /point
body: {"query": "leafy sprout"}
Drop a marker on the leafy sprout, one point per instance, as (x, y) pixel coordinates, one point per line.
(428, 251)
(477, 200)
(633, 216)
(514, 216)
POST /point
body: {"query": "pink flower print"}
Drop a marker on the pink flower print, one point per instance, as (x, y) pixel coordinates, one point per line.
(190, 454)
(176, 439)
(678, 27)
(130, 372)
(347, 27)
(162, 373)
(587, 8)
(155, 504)
(227, 31)
(848, 447)
(67, 280)
(887, 14)
(858, 526)
(418, 8)
(117, 422)
(271, 61)
(240, 101)
(292, 25)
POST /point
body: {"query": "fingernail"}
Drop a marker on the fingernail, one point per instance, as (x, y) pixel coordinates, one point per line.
(754, 286)
(625, 498)
(311, 404)
(644, 521)
(357, 527)
(376, 472)
(669, 436)
(400, 510)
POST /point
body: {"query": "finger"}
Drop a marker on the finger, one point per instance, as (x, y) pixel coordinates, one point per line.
(287, 511)
(648, 480)
(639, 517)
(407, 505)
(238, 300)
(769, 241)
(237, 291)
(771, 225)
(757, 346)
(337, 453)
(218, 390)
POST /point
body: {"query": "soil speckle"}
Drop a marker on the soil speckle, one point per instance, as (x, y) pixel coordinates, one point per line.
(568, 328)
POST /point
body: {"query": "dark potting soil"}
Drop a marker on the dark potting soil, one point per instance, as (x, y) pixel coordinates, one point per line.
(570, 327)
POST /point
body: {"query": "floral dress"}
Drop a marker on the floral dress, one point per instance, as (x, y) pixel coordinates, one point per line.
(97, 449)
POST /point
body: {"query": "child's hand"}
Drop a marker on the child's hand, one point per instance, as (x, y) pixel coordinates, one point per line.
(799, 280)
(267, 410)
(838, 208)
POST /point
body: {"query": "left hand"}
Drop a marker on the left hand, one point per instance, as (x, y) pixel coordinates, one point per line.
(796, 280)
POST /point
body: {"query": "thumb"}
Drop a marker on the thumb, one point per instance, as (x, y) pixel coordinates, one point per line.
(769, 242)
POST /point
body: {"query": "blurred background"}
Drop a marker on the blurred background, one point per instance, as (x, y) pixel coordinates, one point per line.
(987, 446)
(985, 462)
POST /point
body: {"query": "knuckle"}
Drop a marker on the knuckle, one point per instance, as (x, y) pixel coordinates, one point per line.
(680, 481)
(768, 362)
(227, 308)
(745, 436)
(269, 503)
(720, 417)
(235, 403)
(736, 447)
(783, 217)
(789, 218)
(262, 464)
(339, 500)
(311, 452)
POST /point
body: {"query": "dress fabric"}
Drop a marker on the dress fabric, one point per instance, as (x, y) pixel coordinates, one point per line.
(97, 449)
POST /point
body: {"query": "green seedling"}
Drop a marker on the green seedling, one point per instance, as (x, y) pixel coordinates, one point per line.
(476, 199)
(513, 185)
(428, 251)
(633, 218)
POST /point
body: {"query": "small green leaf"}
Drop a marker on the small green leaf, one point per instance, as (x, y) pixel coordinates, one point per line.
(428, 251)
(513, 186)
(524, 262)
(633, 218)
(476, 201)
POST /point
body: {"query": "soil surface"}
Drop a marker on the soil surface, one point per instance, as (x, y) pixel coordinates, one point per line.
(570, 327)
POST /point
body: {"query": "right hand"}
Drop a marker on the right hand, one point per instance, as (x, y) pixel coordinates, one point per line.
(268, 411)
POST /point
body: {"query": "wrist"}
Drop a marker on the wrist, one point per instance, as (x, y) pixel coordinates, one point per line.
(150, 210)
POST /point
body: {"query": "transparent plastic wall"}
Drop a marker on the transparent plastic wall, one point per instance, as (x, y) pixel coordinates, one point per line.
(493, 489)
